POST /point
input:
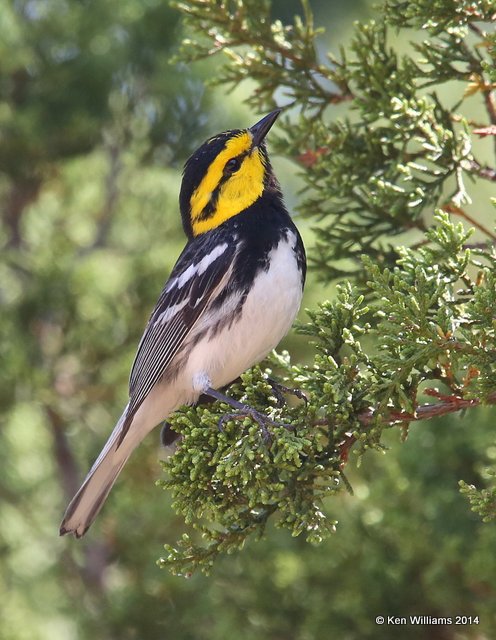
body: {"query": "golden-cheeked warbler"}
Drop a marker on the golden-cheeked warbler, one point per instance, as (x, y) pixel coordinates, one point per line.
(231, 297)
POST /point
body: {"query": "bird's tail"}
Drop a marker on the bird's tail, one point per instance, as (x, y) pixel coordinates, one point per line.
(88, 501)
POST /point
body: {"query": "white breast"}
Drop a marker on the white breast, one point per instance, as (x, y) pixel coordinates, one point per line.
(268, 313)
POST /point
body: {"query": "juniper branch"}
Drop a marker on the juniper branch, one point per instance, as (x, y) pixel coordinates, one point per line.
(448, 404)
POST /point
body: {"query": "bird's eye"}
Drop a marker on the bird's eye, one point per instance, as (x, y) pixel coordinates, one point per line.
(232, 165)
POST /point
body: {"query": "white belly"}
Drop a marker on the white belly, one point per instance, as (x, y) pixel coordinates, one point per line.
(268, 313)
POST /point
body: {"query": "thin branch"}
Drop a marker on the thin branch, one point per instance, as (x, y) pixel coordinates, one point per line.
(22, 193)
(475, 245)
(447, 405)
(96, 553)
(489, 94)
(486, 172)
(68, 469)
(457, 211)
(107, 212)
(490, 105)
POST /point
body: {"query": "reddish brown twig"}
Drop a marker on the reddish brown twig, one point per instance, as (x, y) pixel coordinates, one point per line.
(447, 404)
(457, 211)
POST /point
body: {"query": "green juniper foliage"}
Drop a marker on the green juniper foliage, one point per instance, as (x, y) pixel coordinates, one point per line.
(483, 502)
(412, 334)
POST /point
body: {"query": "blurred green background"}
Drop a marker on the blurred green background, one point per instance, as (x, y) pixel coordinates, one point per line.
(95, 123)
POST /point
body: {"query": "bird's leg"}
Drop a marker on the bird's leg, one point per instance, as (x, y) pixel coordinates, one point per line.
(243, 411)
(167, 434)
(280, 390)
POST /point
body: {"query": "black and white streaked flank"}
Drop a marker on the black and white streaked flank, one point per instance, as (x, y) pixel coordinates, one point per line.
(231, 297)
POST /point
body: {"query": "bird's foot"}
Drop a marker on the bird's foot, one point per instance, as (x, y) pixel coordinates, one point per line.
(248, 412)
(245, 411)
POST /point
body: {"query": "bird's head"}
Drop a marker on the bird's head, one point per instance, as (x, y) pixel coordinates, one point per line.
(225, 176)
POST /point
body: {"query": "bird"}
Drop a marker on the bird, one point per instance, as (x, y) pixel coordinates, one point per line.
(231, 297)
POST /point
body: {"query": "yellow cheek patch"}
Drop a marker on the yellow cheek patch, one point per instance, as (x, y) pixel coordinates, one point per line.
(238, 192)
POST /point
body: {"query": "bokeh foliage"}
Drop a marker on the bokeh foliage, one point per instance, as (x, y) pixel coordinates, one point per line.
(395, 153)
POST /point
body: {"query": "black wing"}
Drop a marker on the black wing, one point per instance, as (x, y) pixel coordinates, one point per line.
(199, 271)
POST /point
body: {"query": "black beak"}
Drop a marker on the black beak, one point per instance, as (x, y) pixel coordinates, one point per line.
(261, 129)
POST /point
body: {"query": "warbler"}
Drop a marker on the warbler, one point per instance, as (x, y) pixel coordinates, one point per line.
(231, 297)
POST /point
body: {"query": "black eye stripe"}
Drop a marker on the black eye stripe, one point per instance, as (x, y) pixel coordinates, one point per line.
(233, 164)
